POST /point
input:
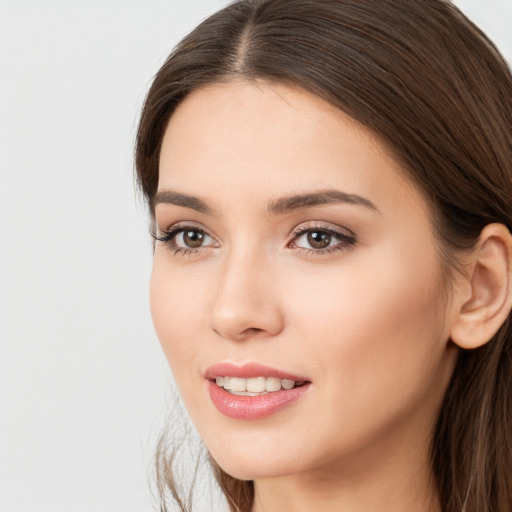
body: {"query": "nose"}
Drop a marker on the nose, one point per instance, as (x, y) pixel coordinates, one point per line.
(246, 304)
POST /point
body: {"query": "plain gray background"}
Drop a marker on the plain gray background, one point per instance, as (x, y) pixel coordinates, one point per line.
(83, 385)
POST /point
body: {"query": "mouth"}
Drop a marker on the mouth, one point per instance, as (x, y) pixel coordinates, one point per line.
(256, 386)
(253, 391)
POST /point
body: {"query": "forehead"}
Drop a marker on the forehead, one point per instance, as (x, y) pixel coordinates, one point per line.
(243, 139)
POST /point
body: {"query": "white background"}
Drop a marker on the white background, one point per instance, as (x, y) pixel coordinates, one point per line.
(83, 386)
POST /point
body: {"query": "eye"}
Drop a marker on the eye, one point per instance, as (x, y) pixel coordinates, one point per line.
(321, 240)
(186, 239)
(317, 239)
(191, 238)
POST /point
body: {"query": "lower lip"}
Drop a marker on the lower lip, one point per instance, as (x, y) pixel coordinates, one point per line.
(253, 407)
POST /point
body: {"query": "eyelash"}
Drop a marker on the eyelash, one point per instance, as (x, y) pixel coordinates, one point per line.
(346, 239)
(168, 238)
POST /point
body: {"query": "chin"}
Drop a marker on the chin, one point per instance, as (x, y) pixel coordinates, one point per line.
(250, 470)
(257, 461)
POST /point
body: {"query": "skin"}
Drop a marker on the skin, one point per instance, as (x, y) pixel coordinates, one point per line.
(368, 323)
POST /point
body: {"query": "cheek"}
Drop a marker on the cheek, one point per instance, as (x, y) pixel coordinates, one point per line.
(176, 308)
(378, 323)
(373, 339)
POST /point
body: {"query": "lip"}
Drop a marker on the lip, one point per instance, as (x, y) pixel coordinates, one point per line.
(249, 370)
(252, 407)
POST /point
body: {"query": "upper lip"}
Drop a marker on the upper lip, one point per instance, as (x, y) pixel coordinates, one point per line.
(249, 370)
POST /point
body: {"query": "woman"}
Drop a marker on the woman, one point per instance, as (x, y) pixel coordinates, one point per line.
(331, 188)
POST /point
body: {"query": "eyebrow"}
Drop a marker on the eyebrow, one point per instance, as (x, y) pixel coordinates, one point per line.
(319, 198)
(276, 207)
(171, 197)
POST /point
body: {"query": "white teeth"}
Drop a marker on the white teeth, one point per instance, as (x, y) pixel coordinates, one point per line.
(246, 393)
(288, 384)
(272, 384)
(237, 384)
(254, 386)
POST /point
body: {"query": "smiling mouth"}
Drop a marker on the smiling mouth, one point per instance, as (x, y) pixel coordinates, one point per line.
(256, 386)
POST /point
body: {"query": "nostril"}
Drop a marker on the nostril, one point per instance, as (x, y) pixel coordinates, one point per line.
(250, 331)
(240, 319)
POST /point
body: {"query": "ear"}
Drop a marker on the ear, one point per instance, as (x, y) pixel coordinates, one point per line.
(488, 300)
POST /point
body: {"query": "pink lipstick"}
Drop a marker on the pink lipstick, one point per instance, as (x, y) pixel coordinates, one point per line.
(253, 391)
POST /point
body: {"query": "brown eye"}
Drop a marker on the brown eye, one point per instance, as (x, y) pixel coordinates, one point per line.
(319, 239)
(193, 238)
(186, 239)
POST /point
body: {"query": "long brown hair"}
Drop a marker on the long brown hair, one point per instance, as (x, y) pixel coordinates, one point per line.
(436, 91)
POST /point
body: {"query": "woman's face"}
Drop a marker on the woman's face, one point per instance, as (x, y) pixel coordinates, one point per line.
(294, 253)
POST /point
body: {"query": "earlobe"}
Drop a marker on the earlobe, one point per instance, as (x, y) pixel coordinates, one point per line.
(490, 279)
